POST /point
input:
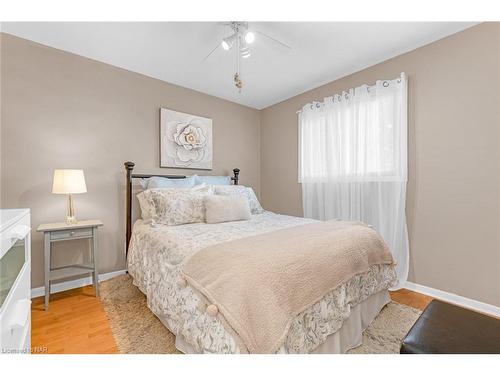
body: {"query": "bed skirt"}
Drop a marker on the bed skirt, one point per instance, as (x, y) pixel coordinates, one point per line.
(349, 336)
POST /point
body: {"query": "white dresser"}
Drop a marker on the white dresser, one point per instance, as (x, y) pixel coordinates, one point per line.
(15, 285)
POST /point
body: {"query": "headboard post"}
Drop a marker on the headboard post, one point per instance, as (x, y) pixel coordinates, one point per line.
(236, 172)
(129, 166)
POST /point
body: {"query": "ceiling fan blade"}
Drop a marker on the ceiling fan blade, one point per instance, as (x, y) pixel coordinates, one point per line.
(273, 39)
(212, 51)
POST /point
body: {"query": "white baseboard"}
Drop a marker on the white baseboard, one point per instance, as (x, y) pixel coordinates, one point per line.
(78, 283)
(454, 299)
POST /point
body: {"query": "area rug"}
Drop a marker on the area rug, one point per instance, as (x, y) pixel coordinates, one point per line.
(137, 330)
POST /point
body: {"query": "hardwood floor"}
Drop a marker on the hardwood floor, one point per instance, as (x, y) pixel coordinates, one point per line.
(409, 298)
(77, 323)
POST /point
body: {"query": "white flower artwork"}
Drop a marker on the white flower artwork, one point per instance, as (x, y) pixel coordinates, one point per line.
(185, 140)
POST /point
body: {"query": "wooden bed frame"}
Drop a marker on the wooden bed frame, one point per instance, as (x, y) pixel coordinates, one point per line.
(129, 166)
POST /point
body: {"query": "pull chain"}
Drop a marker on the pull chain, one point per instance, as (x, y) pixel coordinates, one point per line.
(237, 79)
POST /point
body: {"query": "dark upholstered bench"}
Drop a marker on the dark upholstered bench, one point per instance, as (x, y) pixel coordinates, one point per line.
(448, 329)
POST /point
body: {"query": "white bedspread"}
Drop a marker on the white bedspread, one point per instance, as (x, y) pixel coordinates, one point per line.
(156, 255)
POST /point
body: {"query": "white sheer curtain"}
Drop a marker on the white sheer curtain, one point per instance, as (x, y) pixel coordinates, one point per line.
(353, 160)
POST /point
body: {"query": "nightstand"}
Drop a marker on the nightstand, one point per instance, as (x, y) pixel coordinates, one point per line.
(64, 232)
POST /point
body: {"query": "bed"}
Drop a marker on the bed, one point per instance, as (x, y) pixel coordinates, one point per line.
(156, 255)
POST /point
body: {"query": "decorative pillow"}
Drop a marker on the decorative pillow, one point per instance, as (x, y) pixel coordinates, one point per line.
(222, 208)
(247, 192)
(179, 206)
(255, 206)
(164, 182)
(147, 208)
(213, 180)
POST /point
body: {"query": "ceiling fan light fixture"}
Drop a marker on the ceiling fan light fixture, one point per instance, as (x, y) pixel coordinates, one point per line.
(245, 52)
(228, 42)
(249, 37)
(242, 36)
(225, 45)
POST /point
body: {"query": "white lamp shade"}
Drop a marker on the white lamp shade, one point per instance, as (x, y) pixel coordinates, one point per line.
(69, 181)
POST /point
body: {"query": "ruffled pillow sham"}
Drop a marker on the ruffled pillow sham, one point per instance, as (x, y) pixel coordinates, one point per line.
(146, 206)
(173, 206)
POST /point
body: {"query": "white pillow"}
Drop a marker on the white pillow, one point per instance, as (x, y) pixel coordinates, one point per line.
(241, 190)
(222, 208)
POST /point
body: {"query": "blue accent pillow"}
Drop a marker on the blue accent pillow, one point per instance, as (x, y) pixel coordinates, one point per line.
(163, 182)
(213, 180)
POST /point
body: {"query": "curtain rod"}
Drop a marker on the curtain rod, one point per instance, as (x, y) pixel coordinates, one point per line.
(345, 93)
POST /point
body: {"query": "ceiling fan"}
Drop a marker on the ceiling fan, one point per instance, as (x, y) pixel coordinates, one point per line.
(240, 39)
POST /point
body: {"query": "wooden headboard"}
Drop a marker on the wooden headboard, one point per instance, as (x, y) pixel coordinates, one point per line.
(129, 166)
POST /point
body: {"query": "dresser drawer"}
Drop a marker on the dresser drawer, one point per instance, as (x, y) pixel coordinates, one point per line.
(14, 256)
(12, 234)
(70, 233)
(15, 316)
(15, 281)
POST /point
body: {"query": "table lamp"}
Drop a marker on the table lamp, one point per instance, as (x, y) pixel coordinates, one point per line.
(69, 181)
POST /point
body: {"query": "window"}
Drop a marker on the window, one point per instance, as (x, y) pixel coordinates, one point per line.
(357, 135)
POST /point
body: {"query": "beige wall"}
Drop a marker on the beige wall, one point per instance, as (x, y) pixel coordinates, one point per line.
(60, 110)
(453, 201)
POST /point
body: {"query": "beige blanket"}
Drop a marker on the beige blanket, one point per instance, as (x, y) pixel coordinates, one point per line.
(260, 283)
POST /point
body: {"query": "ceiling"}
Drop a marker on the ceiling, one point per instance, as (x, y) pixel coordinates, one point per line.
(174, 51)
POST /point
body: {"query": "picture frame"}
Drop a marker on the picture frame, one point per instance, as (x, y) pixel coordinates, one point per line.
(185, 140)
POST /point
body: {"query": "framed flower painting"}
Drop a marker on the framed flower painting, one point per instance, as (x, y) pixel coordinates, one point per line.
(185, 140)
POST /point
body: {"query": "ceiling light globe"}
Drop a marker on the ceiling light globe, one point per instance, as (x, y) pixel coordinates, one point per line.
(245, 52)
(225, 45)
(249, 37)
